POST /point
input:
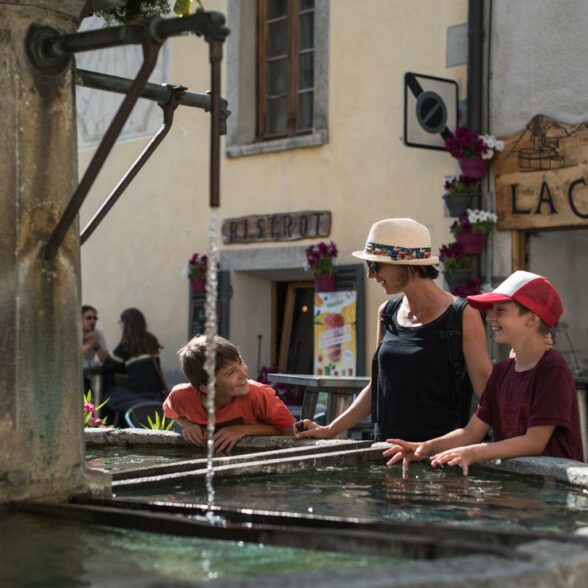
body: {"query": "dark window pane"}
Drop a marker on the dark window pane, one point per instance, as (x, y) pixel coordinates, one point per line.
(277, 38)
(306, 71)
(305, 110)
(277, 8)
(277, 73)
(306, 31)
(306, 4)
(277, 116)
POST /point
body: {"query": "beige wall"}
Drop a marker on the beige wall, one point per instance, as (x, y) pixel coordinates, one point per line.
(363, 174)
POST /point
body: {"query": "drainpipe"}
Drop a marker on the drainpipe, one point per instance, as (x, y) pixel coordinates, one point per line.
(475, 57)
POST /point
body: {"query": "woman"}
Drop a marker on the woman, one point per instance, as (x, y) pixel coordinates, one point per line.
(138, 350)
(414, 392)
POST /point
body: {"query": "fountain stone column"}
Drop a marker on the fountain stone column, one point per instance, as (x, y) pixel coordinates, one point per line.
(41, 433)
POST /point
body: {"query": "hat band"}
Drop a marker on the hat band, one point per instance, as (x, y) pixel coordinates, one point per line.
(397, 253)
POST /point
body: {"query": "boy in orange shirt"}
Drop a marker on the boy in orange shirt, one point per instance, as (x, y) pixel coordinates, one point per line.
(243, 406)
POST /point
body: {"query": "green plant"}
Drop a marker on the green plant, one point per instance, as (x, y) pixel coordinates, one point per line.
(90, 412)
(477, 221)
(454, 258)
(158, 423)
(460, 183)
(319, 258)
(126, 12)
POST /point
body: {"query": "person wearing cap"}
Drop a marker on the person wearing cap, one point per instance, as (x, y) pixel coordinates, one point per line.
(530, 399)
(414, 392)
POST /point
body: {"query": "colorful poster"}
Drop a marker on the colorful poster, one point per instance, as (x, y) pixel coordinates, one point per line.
(335, 335)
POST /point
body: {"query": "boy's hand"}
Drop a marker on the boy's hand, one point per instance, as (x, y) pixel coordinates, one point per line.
(195, 434)
(406, 451)
(459, 456)
(309, 429)
(225, 438)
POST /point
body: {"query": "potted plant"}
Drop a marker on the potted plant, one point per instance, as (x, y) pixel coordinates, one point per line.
(469, 288)
(471, 227)
(196, 273)
(126, 11)
(319, 262)
(472, 150)
(461, 193)
(457, 266)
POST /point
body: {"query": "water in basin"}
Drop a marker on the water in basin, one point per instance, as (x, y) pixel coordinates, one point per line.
(37, 551)
(488, 498)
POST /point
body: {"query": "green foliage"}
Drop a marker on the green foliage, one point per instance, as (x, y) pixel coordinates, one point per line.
(158, 423)
(135, 9)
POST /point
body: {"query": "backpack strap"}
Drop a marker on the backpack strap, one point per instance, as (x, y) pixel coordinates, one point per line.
(389, 310)
(454, 334)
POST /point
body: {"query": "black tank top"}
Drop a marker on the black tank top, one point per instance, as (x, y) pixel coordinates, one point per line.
(416, 397)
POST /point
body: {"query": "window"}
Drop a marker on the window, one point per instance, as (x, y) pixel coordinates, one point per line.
(277, 75)
(285, 42)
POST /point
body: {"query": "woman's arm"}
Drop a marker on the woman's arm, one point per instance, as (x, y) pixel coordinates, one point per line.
(475, 350)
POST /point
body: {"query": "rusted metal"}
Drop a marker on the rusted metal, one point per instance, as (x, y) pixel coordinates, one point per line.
(150, 52)
(168, 116)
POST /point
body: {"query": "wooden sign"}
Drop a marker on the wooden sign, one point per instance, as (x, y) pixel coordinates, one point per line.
(541, 177)
(289, 226)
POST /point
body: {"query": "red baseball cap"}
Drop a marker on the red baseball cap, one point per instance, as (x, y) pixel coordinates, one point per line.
(530, 290)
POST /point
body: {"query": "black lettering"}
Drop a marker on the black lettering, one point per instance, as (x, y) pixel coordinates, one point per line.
(545, 197)
(272, 219)
(287, 225)
(303, 225)
(245, 229)
(260, 227)
(513, 195)
(232, 232)
(318, 223)
(571, 198)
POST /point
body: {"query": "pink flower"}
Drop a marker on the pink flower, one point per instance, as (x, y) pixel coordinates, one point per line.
(89, 407)
(95, 421)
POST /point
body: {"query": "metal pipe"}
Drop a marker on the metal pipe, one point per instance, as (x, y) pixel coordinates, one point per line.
(156, 92)
(168, 117)
(159, 29)
(475, 56)
(150, 52)
(215, 54)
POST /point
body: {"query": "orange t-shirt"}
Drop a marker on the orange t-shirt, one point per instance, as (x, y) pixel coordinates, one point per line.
(259, 405)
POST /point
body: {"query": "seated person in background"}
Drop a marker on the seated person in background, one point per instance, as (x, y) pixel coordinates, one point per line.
(138, 351)
(243, 407)
(529, 400)
(94, 343)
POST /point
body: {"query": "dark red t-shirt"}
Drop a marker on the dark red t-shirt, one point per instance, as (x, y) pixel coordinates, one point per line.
(544, 395)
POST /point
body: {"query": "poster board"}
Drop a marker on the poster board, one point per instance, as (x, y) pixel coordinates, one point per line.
(335, 333)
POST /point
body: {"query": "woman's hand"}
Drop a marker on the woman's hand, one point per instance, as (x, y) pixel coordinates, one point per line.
(308, 429)
(406, 451)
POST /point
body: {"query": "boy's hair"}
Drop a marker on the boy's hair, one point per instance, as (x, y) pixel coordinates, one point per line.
(193, 355)
(543, 327)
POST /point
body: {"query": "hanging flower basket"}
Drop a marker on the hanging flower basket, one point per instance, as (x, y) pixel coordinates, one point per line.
(457, 277)
(459, 201)
(325, 283)
(471, 242)
(198, 286)
(473, 167)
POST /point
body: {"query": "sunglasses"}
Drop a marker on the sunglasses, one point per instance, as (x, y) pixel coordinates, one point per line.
(373, 266)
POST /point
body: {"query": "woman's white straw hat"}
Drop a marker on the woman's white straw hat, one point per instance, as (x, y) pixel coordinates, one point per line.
(400, 241)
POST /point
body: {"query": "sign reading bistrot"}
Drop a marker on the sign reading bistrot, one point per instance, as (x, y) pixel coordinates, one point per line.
(289, 226)
(541, 176)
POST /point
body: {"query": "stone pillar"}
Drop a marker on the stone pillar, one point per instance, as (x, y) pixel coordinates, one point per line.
(41, 434)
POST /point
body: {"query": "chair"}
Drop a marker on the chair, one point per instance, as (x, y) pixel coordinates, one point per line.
(137, 416)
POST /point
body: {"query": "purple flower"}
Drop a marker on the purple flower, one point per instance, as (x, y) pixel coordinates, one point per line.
(319, 258)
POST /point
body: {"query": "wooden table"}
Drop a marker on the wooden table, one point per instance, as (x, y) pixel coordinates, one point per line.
(341, 391)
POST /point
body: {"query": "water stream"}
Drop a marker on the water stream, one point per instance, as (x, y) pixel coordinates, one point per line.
(211, 331)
